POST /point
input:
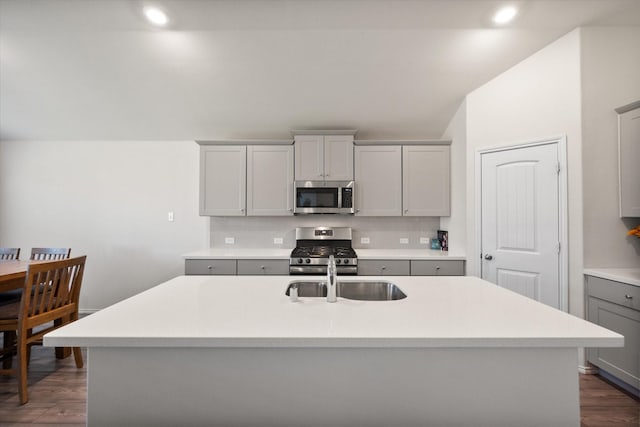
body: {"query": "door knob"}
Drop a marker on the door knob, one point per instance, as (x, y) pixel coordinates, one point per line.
(488, 257)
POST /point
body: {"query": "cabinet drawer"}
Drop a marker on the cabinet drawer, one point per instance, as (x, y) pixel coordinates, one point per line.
(263, 266)
(615, 292)
(383, 267)
(210, 266)
(437, 268)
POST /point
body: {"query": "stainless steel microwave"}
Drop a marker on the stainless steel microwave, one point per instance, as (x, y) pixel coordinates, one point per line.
(323, 197)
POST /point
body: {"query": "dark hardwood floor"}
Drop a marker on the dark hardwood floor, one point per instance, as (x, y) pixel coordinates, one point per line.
(57, 393)
(603, 404)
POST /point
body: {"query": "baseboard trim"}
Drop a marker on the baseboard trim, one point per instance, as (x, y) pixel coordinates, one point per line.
(587, 370)
(86, 312)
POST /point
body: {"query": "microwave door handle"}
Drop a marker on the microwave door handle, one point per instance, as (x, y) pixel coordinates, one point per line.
(339, 197)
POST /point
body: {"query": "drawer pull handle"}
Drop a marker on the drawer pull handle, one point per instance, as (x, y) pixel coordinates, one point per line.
(262, 267)
(628, 297)
(210, 267)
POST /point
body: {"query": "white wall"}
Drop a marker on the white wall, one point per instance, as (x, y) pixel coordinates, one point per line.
(536, 99)
(108, 200)
(610, 79)
(456, 224)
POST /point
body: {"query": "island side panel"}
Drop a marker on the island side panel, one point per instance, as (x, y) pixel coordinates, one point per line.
(332, 386)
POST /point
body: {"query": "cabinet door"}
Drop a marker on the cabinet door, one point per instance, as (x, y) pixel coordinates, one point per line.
(383, 267)
(210, 267)
(629, 151)
(378, 180)
(263, 267)
(437, 268)
(270, 180)
(338, 157)
(425, 181)
(223, 175)
(622, 362)
(309, 155)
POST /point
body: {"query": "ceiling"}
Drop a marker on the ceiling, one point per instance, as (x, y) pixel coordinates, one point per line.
(243, 69)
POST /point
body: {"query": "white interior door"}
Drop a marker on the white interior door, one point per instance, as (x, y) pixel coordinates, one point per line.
(520, 210)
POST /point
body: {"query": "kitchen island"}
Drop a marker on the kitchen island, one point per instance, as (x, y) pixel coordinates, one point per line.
(235, 351)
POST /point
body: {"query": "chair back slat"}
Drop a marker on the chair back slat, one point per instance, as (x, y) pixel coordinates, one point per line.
(52, 285)
(9, 254)
(47, 254)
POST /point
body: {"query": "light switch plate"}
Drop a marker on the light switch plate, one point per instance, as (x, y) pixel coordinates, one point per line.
(365, 240)
(229, 240)
(170, 216)
(424, 240)
(404, 241)
(277, 240)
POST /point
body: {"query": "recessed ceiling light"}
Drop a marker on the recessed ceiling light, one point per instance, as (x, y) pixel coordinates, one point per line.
(504, 15)
(156, 16)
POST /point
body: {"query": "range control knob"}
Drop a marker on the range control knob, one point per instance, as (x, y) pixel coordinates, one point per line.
(307, 260)
(299, 260)
(346, 261)
(338, 261)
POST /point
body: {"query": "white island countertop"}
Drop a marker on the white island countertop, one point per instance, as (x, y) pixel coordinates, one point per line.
(630, 276)
(365, 254)
(253, 311)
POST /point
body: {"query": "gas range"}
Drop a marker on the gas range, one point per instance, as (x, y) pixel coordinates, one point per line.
(315, 244)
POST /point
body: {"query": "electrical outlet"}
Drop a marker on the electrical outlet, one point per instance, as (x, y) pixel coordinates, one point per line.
(424, 240)
(277, 240)
(229, 240)
(365, 240)
(404, 241)
(170, 216)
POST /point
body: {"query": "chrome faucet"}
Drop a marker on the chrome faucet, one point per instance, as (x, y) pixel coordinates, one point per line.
(332, 282)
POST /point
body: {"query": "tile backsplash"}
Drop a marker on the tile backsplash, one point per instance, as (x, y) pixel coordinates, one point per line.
(382, 232)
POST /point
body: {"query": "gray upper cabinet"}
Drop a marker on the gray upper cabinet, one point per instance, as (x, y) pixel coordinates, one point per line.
(223, 174)
(425, 180)
(629, 154)
(270, 180)
(378, 180)
(323, 157)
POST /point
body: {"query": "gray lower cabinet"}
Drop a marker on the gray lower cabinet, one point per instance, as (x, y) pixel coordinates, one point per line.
(403, 267)
(384, 268)
(616, 306)
(239, 267)
(263, 267)
(411, 267)
(209, 266)
(437, 268)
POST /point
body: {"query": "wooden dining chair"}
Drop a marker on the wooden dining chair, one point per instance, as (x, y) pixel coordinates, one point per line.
(50, 297)
(9, 254)
(48, 254)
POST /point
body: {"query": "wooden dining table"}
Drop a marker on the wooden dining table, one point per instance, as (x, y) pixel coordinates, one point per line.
(12, 276)
(13, 273)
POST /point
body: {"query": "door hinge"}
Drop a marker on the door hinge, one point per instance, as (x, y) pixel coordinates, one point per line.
(558, 168)
(558, 247)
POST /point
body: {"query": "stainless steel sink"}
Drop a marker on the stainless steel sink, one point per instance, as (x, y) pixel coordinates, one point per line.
(363, 290)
